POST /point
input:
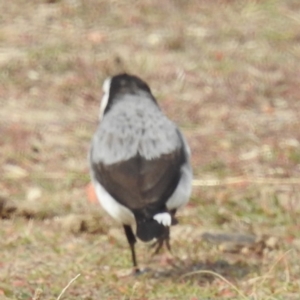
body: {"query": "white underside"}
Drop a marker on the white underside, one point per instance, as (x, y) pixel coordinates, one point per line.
(123, 215)
(118, 211)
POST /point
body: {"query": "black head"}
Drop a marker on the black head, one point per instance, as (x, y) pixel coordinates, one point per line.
(123, 84)
(127, 84)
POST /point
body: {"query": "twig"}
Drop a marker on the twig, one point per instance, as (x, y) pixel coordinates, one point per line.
(67, 286)
(37, 294)
(268, 276)
(245, 180)
(275, 264)
(219, 276)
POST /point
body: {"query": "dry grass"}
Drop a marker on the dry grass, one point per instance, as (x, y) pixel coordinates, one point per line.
(226, 71)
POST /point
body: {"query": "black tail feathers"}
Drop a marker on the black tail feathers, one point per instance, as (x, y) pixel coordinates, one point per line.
(147, 230)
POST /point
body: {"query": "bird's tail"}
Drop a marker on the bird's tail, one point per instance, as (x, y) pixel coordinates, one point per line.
(156, 227)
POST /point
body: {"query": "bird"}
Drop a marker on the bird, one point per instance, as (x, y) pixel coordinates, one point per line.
(139, 163)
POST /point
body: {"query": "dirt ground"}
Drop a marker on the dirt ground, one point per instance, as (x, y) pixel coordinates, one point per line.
(227, 72)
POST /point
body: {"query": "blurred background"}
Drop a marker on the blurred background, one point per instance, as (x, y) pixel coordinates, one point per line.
(226, 71)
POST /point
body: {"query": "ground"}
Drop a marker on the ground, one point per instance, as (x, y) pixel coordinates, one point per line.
(227, 72)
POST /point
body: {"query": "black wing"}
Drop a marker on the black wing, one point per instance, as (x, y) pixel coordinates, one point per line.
(139, 184)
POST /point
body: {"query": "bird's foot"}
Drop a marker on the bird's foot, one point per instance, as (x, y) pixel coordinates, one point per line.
(158, 244)
(139, 271)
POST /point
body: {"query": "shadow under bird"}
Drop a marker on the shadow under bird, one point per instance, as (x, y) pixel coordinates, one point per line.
(139, 162)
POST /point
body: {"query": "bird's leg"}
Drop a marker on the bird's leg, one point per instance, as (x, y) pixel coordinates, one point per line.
(165, 238)
(167, 242)
(157, 245)
(174, 220)
(131, 240)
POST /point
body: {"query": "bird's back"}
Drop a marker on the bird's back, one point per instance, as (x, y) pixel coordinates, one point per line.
(134, 126)
(138, 154)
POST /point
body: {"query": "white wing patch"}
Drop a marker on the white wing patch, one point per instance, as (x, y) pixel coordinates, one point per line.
(163, 218)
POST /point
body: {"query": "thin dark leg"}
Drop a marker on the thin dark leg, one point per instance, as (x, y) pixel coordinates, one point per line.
(165, 238)
(174, 220)
(131, 240)
(157, 245)
(167, 241)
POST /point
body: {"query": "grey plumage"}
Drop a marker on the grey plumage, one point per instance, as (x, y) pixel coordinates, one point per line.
(134, 127)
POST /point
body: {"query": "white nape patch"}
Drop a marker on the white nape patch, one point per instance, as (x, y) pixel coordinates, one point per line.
(163, 218)
(118, 211)
(104, 101)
